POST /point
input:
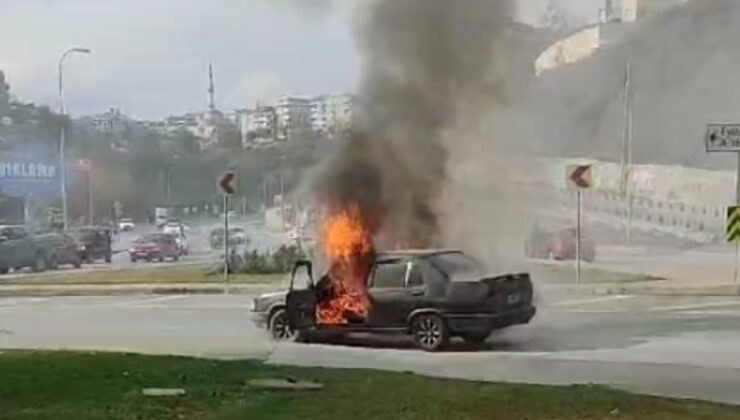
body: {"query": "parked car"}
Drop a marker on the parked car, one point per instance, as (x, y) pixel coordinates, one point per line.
(95, 243)
(66, 250)
(559, 245)
(432, 295)
(126, 224)
(237, 236)
(20, 249)
(156, 246)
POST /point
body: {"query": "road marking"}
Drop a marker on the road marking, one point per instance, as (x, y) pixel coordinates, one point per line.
(592, 300)
(712, 313)
(677, 308)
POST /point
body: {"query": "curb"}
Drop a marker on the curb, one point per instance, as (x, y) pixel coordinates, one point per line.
(643, 290)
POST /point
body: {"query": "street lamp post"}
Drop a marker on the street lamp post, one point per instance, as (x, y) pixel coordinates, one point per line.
(62, 139)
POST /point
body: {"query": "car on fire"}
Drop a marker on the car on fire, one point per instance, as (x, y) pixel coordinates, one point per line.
(433, 295)
(559, 245)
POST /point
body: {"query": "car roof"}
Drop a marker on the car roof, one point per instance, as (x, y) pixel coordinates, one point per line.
(414, 253)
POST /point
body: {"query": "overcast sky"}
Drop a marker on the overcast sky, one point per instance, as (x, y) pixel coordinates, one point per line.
(150, 57)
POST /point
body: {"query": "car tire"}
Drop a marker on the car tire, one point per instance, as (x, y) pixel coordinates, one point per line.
(52, 263)
(279, 327)
(108, 258)
(77, 263)
(4, 270)
(40, 264)
(176, 258)
(161, 259)
(430, 332)
(133, 260)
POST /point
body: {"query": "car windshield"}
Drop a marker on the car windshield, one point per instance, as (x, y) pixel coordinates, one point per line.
(457, 266)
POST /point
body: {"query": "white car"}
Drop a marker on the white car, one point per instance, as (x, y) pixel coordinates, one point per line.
(126, 224)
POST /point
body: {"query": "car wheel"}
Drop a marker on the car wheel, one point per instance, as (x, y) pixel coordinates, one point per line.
(176, 258)
(108, 258)
(77, 263)
(133, 260)
(40, 264)
(430, 332)
(161, 259)
(3, 270)
(279, 327)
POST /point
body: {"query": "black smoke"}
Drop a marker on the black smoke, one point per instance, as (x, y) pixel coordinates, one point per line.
(429, 69)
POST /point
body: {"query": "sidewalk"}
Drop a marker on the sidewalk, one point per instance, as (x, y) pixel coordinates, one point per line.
(16, 290)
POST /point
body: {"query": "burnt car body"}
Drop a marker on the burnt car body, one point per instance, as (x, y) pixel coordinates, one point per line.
(432, 295)
(95, 243)
(558, 245)
(157, 246)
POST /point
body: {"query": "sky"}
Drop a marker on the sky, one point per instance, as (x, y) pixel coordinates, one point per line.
(150, 57)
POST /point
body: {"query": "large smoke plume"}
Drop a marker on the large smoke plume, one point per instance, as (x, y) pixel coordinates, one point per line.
(430, 73)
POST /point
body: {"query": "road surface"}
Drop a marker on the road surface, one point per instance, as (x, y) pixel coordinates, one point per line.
(675, 346)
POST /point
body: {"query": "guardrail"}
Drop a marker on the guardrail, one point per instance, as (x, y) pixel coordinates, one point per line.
(671, 215)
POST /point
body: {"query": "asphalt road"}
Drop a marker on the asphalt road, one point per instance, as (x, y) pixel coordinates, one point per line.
(676, 346)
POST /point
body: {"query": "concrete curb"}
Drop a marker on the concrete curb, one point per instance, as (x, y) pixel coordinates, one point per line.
(658, 290)
(128, 290)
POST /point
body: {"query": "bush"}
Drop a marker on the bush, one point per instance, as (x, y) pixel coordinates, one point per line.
(279, 262)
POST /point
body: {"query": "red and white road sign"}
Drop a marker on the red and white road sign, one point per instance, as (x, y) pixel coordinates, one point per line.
(227, 183)
(83, 165)
(579, 177)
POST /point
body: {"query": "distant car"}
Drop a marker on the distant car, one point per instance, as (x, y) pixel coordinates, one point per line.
(432, 295)
(126, 225)
(558, 245)
(157, 246)
(66, 250)
(95, 243)
(237, 236)
(20, 249)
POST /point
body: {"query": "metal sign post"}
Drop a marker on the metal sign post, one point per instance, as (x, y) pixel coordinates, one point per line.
(726, 138)
(227, 184)
(226, 243)
(578, 178)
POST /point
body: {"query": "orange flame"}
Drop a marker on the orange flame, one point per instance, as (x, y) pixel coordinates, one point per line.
(347, 244)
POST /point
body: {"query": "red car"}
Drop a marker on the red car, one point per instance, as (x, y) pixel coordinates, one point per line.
(559, 245)
(157, 246)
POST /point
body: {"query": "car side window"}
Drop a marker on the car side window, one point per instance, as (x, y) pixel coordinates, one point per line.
(415, 278)
(389, 275)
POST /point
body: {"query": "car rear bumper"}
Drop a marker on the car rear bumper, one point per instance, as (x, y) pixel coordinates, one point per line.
(145, 254)
(467, 323)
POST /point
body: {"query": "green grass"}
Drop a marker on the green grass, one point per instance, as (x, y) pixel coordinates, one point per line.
(79, 386)
(167, 275)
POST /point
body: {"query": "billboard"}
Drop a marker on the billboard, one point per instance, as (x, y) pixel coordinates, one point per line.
(33, 175)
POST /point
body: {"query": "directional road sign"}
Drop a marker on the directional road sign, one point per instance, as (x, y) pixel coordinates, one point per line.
(723, 138)
(733, 224)
(579, 177)
(227, 183)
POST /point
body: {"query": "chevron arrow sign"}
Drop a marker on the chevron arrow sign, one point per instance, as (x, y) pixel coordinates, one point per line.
(733, 224)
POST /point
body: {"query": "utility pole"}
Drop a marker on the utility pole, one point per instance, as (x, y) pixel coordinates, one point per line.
(211, 89)
(62, 134)
(627, 135)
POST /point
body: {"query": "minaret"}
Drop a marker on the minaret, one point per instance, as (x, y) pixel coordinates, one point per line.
(211, 89)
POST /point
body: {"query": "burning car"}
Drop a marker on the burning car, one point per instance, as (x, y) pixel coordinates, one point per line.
(433, 295)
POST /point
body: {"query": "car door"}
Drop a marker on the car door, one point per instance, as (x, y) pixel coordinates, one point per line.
(392, 297)
(21, 246)
(300, 302)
